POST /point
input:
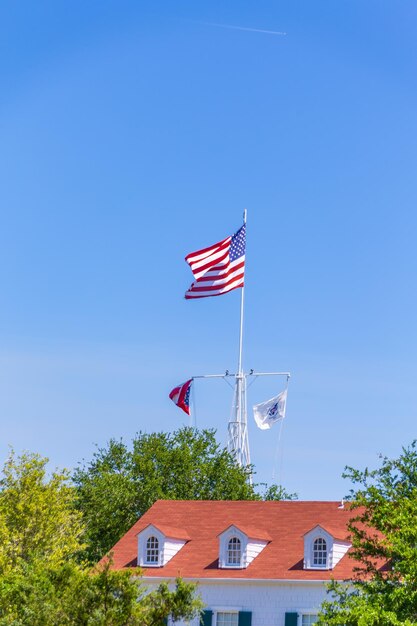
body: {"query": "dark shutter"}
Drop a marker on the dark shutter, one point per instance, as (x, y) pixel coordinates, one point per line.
(291, 619)
(165, 621)
(206, 618)
(245, 618)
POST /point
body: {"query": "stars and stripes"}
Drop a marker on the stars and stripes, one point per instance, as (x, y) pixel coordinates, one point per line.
(219, 268)
(181, 396)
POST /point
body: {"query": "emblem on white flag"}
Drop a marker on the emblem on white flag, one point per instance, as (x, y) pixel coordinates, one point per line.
(271, 411)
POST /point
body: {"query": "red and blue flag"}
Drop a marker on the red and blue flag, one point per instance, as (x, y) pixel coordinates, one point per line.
(181, 396)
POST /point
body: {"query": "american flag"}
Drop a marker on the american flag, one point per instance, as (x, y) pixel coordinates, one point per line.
(218, 269)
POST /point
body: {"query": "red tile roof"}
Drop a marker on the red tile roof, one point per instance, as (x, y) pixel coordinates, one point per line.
(336, 533)
(251, 532)
(284, 522)
(170, 531)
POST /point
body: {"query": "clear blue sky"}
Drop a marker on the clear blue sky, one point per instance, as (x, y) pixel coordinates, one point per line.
(135, 132)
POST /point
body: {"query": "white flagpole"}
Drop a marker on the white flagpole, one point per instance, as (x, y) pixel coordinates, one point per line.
(193, 412)
(238, 438)
(238, 441)
(242, 297)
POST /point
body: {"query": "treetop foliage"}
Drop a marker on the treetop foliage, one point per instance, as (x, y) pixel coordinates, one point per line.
(52, 527)
(121, 483)
(37, 515)
(384, 544)
(42, 580)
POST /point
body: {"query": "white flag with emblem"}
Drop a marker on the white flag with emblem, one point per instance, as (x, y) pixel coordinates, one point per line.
(271, 411)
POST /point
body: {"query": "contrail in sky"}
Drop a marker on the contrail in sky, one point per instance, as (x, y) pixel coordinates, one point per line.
(252, 30)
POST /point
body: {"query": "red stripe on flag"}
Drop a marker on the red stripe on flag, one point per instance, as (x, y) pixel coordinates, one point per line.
(224, 274)
(202, 269)
(178, 396)
(191, 295)
(193, 257)
(214, 272)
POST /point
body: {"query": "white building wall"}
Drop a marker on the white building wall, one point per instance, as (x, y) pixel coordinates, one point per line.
(268, 601)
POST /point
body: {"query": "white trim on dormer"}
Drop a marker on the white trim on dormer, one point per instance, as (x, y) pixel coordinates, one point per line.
(232, 533)
(250, 548)
(147, 533)
(336, 548)
(168, 546)
(309, 538)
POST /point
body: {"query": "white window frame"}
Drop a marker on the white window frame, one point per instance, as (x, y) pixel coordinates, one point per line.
(153, 550)
(146, 534)
(321, 551)
(232, 551)
(232, 533)
(225, 609)
(303, 613)
(309, 539)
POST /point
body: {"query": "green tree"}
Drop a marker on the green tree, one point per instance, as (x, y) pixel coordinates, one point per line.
(278, 492)
(384, 545)
(43, 582)
(68, 595)
(120, 484)
(180, 603)
(118, 598)
(38, 520)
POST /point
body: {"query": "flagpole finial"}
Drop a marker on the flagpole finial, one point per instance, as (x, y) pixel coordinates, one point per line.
(244, 215)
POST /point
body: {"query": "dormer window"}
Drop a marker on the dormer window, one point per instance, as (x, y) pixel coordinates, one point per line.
(157, 545)
(234, 552)
(152, 551)
(322, 549)
(320, 552)
(239, 546)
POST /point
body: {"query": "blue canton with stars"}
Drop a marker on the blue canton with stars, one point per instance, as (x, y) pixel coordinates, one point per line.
(238, 243)
(187, 396)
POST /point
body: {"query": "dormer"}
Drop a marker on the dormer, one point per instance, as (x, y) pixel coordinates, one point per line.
(158, 544)
(238, 546)
(322, 549)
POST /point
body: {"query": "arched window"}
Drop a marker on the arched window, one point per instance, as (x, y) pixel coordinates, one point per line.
(152, 550)
(234, 551)
(320, 553)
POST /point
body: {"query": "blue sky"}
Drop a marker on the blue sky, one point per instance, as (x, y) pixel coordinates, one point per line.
(134, 133)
